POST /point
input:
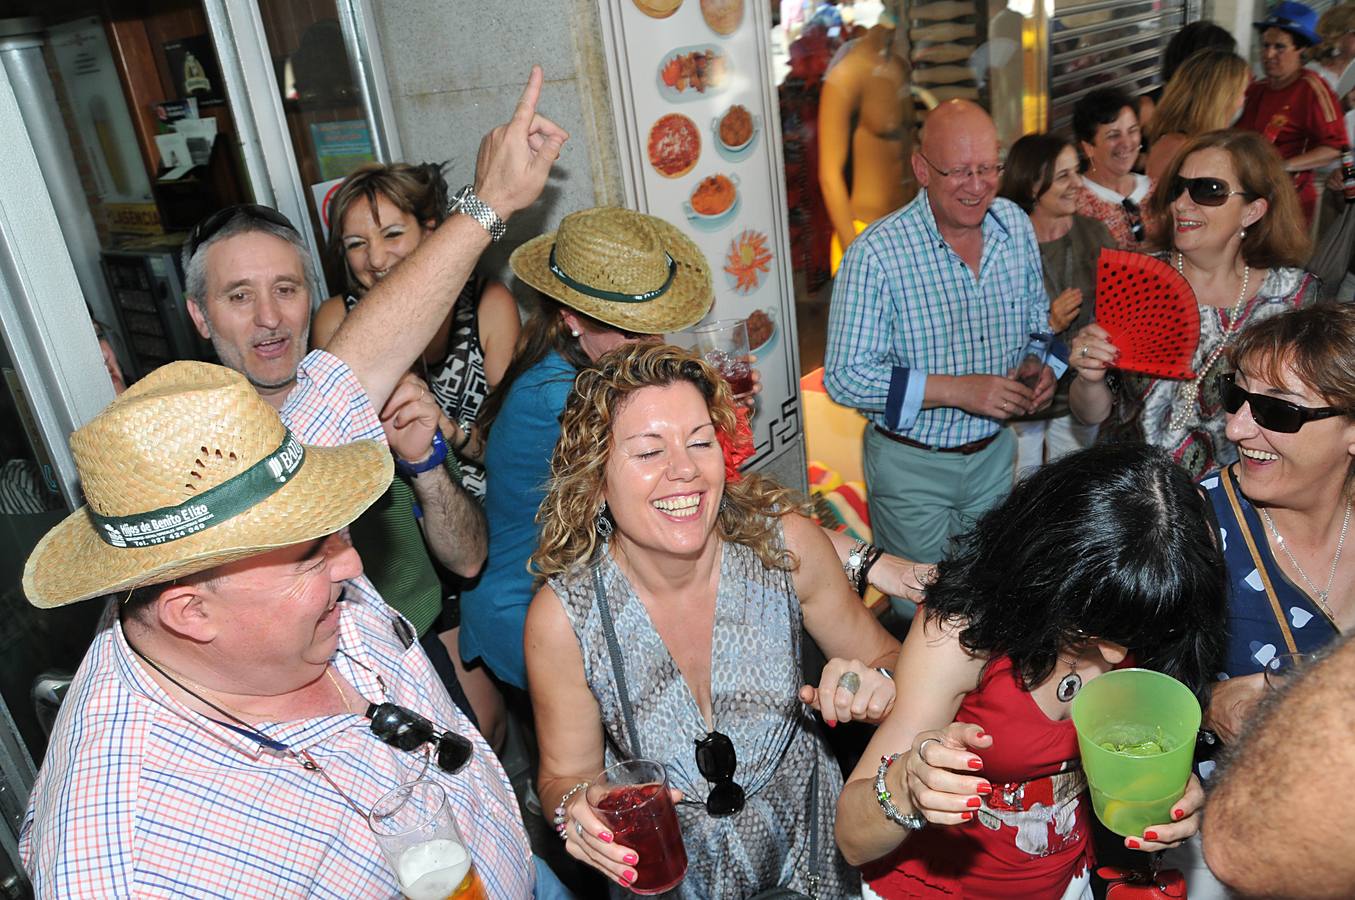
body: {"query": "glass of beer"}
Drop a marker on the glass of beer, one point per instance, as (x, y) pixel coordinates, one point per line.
(414, 827)
(724, 344)
(632, 798)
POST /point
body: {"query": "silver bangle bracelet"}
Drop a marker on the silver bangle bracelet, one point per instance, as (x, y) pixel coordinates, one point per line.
(913, 821)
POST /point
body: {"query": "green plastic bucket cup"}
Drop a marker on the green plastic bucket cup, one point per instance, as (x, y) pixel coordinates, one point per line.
(1136, 731)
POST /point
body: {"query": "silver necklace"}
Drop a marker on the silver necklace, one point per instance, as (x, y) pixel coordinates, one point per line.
(1320, 595)
(1184, 406)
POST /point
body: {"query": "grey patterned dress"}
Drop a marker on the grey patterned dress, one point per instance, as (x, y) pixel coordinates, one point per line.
(755, 674)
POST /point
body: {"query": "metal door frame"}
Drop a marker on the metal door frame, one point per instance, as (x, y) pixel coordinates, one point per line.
(50, 339)
(256, 102)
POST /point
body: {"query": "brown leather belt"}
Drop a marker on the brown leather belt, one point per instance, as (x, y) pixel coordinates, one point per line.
(963, 449)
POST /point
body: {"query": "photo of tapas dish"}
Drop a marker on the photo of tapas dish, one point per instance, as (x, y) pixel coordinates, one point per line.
(748, 261)
(735, 131)
(713, 201)
(674, 145)
(723, 16)
(658, 9)
(690, 73)
(762, 331)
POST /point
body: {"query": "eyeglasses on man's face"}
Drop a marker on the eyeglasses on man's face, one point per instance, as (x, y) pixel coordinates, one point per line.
(960, 174)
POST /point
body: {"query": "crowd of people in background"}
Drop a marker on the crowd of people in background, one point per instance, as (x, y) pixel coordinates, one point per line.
(398, 539)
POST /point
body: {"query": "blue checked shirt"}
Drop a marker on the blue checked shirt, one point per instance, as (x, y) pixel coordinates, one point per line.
(906, 305)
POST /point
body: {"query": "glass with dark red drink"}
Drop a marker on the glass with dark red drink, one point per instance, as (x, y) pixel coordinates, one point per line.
(632, 798)
(724, 344)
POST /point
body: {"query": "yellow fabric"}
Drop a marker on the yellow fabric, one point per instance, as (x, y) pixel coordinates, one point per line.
(835, 259)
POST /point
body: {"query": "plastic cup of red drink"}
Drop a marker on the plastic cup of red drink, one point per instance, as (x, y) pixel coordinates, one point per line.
(632, 798)
(724, 344)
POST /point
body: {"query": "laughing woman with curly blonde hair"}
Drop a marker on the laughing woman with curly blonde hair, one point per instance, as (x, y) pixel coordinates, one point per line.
(707, 576)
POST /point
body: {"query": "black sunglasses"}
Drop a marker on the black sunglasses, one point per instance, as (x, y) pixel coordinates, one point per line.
(1271, 413)
(203, 231)
(406, 730)
(1131, 211)
(716, 759)
(1204, 191)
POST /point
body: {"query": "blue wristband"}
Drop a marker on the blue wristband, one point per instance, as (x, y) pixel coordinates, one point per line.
(432, 462)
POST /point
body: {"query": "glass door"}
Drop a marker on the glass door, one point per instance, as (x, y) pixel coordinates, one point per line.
(54, 378)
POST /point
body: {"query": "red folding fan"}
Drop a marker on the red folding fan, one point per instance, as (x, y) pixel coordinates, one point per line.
(1150, 313)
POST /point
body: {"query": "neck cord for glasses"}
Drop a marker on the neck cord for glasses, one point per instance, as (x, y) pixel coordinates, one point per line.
(1319, 595)
(1184, 407)
(302, 757)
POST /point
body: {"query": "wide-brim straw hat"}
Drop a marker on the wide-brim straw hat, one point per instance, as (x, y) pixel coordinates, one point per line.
(187, 470)
(632, 271)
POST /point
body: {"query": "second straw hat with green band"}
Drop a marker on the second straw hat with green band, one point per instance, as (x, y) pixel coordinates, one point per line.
(632, 271)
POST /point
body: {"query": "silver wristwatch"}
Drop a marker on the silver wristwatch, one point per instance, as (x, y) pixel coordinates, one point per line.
(465, 201)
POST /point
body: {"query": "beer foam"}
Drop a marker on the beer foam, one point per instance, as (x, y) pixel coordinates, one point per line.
(433, 870)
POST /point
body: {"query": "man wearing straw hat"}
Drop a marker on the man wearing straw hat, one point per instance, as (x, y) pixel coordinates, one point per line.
(251, 696)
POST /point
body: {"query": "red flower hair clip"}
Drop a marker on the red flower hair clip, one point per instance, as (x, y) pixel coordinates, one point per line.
(738, 446)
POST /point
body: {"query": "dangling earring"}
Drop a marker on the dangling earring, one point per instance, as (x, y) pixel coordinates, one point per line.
(724, 503)
(1069, 685)
(602, 524)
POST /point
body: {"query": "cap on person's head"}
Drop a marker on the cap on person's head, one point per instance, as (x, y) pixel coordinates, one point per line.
(187, 470)
(632, 271)
(1296, 18)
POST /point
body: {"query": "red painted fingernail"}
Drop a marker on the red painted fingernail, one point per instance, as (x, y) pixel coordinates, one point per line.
(629, 875)
(973, 803)
(975, 764)
(967, 815)
(630, 859)
(1150, 835)
(832, 724)
(1178, 814)
(985, 788)
(981, 735)
(605, 836)
(1132, 844)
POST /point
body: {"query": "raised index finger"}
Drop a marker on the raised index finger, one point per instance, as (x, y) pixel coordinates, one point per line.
(526, 107)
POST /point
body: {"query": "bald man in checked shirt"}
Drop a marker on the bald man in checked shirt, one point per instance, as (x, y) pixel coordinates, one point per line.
(930, 313)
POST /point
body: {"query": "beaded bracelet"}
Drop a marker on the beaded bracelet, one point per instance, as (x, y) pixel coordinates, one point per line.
(913, 822)
(564, 802)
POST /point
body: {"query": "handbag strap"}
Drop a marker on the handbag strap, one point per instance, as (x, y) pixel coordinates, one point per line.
(618, 668)
(1226, 476)
(812, 879)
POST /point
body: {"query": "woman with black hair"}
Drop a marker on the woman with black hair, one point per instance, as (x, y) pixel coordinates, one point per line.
(1102, 559)
(1106, 125)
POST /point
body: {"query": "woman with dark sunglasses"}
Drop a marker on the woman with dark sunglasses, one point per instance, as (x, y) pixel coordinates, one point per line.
(972, 786)
(1286, 504)
(1229, 222)
(1283, 512)
(669, 629)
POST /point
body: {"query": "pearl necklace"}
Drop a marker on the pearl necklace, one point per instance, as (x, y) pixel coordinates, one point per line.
(1320, 595)
(1184, 407)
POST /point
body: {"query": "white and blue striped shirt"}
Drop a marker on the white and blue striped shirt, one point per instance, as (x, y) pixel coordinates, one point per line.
(905, 305)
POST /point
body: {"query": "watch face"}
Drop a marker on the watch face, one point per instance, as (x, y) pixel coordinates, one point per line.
(854, 558)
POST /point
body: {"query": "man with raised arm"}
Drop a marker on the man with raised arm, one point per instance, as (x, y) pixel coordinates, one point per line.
(249, 696)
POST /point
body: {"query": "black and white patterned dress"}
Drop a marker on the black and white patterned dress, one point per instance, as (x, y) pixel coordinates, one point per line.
(755, 674)
(458, 382)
